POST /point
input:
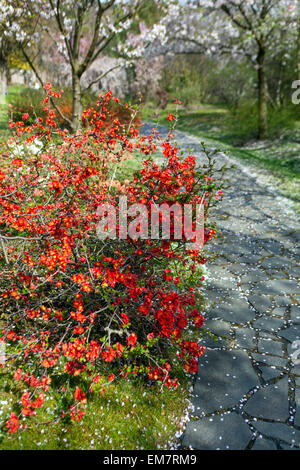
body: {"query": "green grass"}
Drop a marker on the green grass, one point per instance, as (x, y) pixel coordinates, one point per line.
(128, 416)
(13, 91)
(279, 156)
(126, 168)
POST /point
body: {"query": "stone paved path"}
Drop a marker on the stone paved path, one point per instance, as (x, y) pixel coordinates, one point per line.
(247, 391)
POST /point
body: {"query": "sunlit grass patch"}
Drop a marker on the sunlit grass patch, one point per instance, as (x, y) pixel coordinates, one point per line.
(129, 415)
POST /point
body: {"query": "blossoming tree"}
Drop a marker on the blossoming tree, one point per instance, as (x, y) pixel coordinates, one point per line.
(248, 28)
(82, 31)
(15, 25)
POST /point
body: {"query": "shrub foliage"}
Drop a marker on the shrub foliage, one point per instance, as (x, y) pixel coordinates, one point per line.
(30, 101)
(78, 312)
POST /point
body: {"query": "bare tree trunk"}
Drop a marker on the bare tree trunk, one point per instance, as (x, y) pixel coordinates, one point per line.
(3, 82)
(278, 97)
(262, 96)
(278, 90)
(77, 104)
(298, 47)
(8, 76)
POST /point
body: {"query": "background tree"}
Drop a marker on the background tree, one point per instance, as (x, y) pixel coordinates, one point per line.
(83, 30)
(245, 28)
(14, 26)
(258, 21)
(298, 42)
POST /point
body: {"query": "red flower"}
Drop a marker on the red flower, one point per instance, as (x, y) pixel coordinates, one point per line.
(17, 162)
(13, 423)
(171, 117)
(109, 355)
(125, 318)
(80, 395)
(132, 339)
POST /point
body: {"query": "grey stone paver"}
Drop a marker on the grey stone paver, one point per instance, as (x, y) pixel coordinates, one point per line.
(268, 323)
(224, 376)
(295, 314)
(264, 444)
(270, 372)
(236, 310)
(280, 431)
(253, 276)
(279, 312)
(278, 286)
(270, 347)
(276, 262)
(297, 415)
(296, 368)
(260, 302)
(245, 338)
(218, 327)
(270, 402)
(218, 433)
(291, 334)
(244, 394)
(282, 301)
(269, 359)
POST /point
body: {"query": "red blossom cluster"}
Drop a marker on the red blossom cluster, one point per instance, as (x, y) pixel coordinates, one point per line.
(23, 109)
(78, 308)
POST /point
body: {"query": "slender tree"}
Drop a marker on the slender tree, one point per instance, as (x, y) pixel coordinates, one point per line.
(15, 25)
(298, 41)
(237, 27)
(83, 30)
(258, 18)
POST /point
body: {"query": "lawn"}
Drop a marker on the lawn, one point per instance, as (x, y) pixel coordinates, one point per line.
(129, 415)
(13, 91)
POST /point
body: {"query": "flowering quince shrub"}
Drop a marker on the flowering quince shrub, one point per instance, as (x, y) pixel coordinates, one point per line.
(78, 312)
(30, 104)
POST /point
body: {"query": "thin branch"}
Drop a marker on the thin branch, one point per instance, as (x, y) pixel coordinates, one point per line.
(233, 18)
(62, 29)
(4, 251)
(93, 45)
(128, 15)
(101, 76)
